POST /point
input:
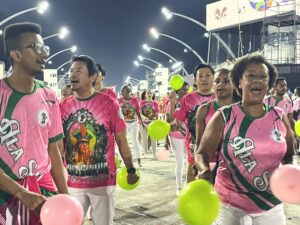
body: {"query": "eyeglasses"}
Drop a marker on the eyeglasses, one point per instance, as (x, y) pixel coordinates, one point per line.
(39, 48)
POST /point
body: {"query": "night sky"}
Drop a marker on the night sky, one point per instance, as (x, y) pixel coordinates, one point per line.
(113, 31)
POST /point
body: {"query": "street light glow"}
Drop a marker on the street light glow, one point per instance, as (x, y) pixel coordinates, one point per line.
(50, 62)
(1, 32)
(63, 32)
(177, 65)
(146, 47)
(154, 32)
(167, 13)
(141, 58)
(74, 48)
(136, 63)
(206, 34)
(42, 7)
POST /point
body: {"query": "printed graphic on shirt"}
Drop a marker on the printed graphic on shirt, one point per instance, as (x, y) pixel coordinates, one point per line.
(277, 136)
(42, 117)
(128, 111)
(242, 148)
(9, 130)
(148, 111)
(86, 145)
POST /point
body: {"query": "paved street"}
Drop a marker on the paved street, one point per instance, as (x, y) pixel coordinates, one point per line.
(154, 201)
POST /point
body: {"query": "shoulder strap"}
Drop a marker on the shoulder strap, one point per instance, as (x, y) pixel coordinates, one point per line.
(227, 112)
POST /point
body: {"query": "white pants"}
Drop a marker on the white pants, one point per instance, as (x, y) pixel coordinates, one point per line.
(144, 136)
(101, 200)
(133, 130)
(234, 216)
(177, 146)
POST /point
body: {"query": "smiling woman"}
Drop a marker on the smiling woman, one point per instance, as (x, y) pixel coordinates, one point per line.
(244, 132)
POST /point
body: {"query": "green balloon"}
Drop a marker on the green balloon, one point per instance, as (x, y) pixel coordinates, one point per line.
(176, 82)
(118, 162)
(122, 179)
(158, 129)
(198, 203)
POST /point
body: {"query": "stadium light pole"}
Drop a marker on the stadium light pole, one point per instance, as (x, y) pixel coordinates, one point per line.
(148, 49)
(131, 80)
(156, 35)
(63, 32)
(72, 49)
(137, 64)
(141, 58)
(169, 14)
(62, 65)
(41, 8)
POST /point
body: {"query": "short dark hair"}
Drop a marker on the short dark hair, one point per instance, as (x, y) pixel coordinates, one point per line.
(12, 34)
(100, 69)
(90, 63)
(126, 86)
(202, 65)
(278, 79)
(223, 71)
(143, 95)
(241, 65)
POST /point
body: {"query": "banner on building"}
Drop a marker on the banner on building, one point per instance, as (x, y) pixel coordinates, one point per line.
(229, 13)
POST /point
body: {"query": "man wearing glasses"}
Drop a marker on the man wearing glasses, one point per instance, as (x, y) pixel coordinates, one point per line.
(30, 127)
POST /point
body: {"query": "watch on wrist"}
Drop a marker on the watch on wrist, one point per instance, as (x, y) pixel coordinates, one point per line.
(131, 170)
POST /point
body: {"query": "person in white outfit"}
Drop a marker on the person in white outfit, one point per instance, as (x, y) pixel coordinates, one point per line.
(131, 112)
(177, 137)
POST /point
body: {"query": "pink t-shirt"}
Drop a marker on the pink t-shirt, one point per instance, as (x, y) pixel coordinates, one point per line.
(286, 103)
(28, 123)
(149, 109)
(89, 127)
(187, 113)
(174, 134)
(251, 150)
(109, 92)
(296, 106)
(129, 108)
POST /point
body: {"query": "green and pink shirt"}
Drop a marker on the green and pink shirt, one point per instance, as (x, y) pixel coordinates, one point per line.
(252, 148)
(28, 123)
(285, 104)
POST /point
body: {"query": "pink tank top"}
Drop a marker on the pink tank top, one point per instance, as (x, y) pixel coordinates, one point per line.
(251, 150)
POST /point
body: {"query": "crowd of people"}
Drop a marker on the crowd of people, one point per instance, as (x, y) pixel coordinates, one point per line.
(241, 121)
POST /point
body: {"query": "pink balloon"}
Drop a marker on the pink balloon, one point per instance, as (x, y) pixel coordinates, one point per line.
(285, 184)
(163, 154)
(62, 209)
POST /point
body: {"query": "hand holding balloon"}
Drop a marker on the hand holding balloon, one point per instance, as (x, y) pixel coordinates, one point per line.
(198, 203)
(62, 209)
(127, 182)
(176, 82)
